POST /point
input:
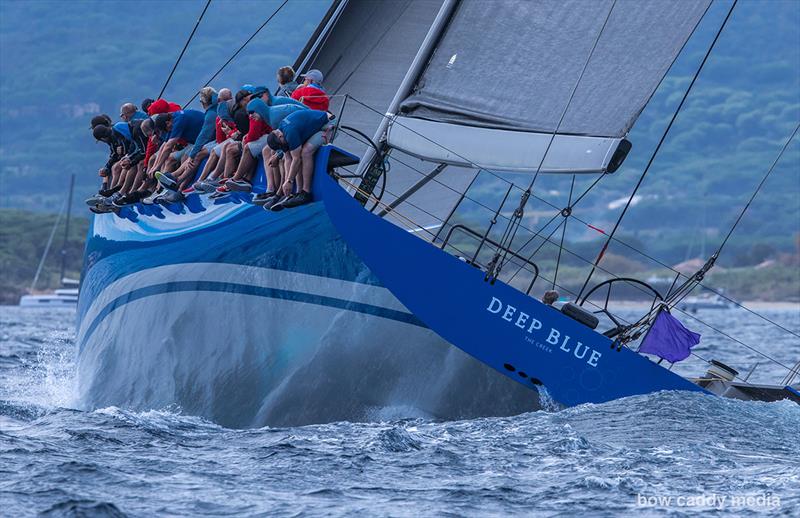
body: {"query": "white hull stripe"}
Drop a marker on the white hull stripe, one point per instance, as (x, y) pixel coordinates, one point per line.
(273, 293)
(246, 275)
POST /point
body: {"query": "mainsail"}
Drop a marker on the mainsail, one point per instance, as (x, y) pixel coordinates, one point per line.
(518, 85)
(502, 76)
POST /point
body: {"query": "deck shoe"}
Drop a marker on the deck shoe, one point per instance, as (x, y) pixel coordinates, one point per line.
(280, 205)
(271, 201)
(301, 198)
(109, 192)
(94, 200)
(260, 199)
(238, 185)
(151, 199)
(167, 180)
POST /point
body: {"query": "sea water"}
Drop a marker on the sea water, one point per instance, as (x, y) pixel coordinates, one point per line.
(666, 453)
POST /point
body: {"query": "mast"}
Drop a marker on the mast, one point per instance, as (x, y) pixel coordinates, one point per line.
(320, 35)
(420, 60)
(66, 229)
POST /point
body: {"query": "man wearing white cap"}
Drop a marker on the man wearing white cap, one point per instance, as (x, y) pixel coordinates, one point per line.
(311, 93)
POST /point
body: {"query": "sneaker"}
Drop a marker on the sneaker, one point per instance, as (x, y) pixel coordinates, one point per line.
(260, 199)
(280, 205)
(94, 200)
(272, 201)
(123, 201)
(138, 196)
(238, 185)
(109, 202)
(206, 186)
(188, 190)
(220, 192)
(108, 192)
(301, 198)
(167, 180)
(150, 200)
(169, 197)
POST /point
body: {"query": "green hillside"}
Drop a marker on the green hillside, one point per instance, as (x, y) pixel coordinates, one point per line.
(63, 62)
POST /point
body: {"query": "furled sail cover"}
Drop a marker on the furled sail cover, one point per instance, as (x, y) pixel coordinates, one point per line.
(503, 73)
(366, 54)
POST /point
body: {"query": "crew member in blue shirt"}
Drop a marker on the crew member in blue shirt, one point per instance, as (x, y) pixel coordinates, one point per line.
(181, 129)
(200, 148)
(298, 136)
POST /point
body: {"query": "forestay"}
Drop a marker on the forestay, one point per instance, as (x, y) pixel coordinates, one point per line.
(502, 74)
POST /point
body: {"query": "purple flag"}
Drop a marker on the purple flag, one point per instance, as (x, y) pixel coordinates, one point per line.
(669, 339)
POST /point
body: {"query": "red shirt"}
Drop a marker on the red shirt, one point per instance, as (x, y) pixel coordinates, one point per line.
(312, 96)
(258, 128)
(220, 132)
(152, 147)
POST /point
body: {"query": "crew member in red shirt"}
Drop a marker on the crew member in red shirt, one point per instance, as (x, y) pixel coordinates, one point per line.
(311, 93)
(153, 142)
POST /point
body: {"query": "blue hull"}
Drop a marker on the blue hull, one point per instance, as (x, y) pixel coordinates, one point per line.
(321, 313)
(518, 336)
(252, 318)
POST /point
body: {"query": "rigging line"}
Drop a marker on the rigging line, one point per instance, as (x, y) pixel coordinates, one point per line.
(694, 281)
(560, 212)
(723, 333)
(563, 232)
(408, 219)
(538, 232)
(658, 146)
(572, 95)
(473, 164)
(464, 254)
(276, 11)
(547, 202)
(185, 46)
(640, 322)
(519, 213)
(47, 246)
(760, 185)
(565, 289)
(664, 75)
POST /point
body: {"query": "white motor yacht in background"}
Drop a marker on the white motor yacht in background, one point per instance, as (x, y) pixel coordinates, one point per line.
(60, 298)
(705, 301)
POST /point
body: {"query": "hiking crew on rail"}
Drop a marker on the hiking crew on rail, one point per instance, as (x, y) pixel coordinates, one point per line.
(156, 150)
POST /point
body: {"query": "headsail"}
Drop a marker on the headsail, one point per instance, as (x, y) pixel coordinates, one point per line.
(365, 53)
(503, 72)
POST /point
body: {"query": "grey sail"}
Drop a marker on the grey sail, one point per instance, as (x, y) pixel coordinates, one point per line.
(364, 48)
(503, 72)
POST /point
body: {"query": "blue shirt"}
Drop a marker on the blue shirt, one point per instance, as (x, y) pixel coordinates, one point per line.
(186, 125)
(208, 131)
(273, 115)
(139, 115)
(299, 126)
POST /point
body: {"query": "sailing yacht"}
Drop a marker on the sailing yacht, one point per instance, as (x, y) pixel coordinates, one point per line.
(381, 294)
(67, 295)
